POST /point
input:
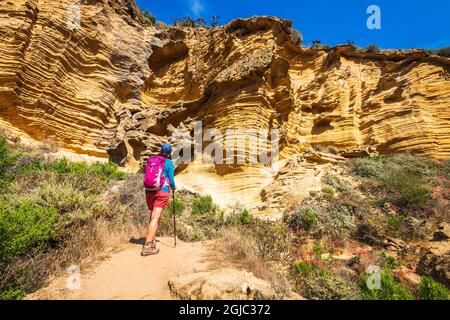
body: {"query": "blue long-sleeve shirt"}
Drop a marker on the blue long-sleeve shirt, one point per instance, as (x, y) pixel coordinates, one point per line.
(169, 174)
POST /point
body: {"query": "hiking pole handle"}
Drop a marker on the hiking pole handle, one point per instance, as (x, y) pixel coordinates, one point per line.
(174, 219)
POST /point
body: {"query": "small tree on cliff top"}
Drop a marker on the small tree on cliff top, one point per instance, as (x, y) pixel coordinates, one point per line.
(148, 16)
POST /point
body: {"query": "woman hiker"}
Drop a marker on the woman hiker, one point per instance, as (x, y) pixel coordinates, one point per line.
(158, 182)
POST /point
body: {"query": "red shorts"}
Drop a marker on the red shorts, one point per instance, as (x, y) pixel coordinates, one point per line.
(157, 199)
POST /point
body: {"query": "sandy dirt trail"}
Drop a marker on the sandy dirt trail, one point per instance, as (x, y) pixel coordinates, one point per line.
(124, 274)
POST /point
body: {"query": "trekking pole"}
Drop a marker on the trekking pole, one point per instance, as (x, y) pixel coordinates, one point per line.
(174, 219)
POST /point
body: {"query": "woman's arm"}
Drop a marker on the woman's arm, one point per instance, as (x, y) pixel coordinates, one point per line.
(171, 173)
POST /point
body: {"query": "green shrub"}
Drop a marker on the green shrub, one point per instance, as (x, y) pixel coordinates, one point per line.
(353, 46)
(318, 250)
(443, 52)
(429, 289)
(320, 284)
(301, 218)
(315, 263)
(29, 165)
(337, 184)
(72, 203)
(205, 226)
(328, 193)
(203, 205)
(35, 165)
(366, 167)
(333, 218)
(373, 48)
(7, 160)
(243, 217)
(337, 219)
(389, 262)
(415, 165)
(178, 206)
(239, 216)
(148, 15)
(401, 179)
(379, 202)
(302, 267)
(185, 22)
(395, 222)
(314, 279)
(296, 37)
(214, 21)
(12, 294)
(316, 42)
(106, 171)
(271, 239)
(406, 188)
(309, 219)
(27, 227)
(415, 195)
(64, 166)
(313, 194)
(391, 289)
(63, 196)
(203, 221)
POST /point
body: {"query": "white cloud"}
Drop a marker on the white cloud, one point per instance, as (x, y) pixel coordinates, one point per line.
(196, 7)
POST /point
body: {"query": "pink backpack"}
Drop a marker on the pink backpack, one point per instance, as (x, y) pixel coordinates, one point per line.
(154, 173)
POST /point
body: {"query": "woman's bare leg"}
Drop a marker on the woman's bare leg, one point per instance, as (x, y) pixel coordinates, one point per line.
(153, 225)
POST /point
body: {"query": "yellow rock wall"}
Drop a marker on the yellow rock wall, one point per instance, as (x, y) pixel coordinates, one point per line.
(65, 85)
(117, 87)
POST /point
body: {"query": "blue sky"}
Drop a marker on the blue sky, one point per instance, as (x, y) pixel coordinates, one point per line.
(404, 24)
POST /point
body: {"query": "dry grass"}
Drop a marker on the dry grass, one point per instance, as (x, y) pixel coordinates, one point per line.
(81, 244)
(238, 249)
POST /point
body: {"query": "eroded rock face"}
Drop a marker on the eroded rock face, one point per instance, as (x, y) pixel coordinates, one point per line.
(435, 262)
(442, 232)
(435, 256)
(66, 82)
(221, 284)
(115, 87)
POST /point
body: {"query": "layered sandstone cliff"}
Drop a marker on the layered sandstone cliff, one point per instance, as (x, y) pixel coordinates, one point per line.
(116, 87)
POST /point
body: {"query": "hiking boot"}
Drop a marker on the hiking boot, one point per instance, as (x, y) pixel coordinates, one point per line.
(149, 249)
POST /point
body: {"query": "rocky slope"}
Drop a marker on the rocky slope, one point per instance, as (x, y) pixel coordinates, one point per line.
(116, 87)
